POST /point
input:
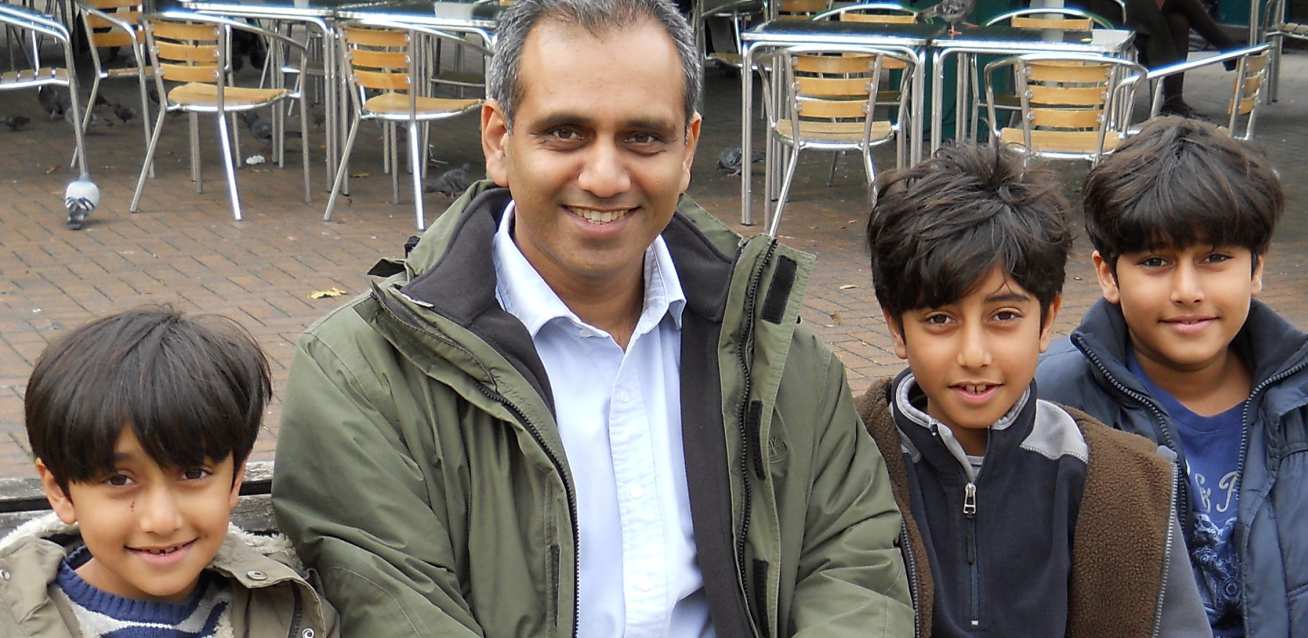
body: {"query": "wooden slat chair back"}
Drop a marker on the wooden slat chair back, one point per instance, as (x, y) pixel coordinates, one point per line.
(1247, 88)
(186, 52)
(116, 24)
(385, 85)
(1066, 105)
(102, 33)
(28, 26)
(830, 97)
(801, 9)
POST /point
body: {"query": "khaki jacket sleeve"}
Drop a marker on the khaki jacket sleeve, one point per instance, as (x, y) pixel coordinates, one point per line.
(851, 579)
(352, 498)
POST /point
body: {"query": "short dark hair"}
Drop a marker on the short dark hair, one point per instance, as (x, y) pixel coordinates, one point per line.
(1181, 182)
(189, 388)
(940, 226)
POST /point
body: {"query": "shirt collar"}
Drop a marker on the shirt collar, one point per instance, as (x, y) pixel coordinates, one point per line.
(523, 293)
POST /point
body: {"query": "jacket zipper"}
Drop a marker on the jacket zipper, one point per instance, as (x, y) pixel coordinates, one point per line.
(567, 488)
(1167, 560)
(913, 585)
(742, 357)
(969, 530)
(1239, 468)
(1182, 492)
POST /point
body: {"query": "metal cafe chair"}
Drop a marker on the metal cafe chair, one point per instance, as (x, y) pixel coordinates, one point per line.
(1251, 79)
(30, 25)
(1068, 104)
(873, 13)
(828, 95)
(116, 24)
(1059, 18)
(385, 63)
(191, 51)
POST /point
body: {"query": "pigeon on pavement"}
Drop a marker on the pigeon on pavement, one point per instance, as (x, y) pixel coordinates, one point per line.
(451, 183)
(80, 198)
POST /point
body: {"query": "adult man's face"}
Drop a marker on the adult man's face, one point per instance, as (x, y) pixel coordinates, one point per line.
(599, 150)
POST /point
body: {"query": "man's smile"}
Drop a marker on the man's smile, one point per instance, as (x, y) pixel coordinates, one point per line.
(599, 216)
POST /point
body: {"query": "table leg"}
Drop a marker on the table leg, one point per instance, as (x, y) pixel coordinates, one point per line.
(919, 101)
(937, 102)
(746, 115)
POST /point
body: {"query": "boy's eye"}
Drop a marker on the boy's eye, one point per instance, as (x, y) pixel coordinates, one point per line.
(936, 319)
(195, 473)
(1153, 262)
(1007, 315)
(1217, 258)
(118, 480)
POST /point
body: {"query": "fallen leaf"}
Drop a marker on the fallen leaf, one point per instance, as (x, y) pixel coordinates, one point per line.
(360, 174)
(835, 318)
(849, 286)
(323, 294)
(51, 169)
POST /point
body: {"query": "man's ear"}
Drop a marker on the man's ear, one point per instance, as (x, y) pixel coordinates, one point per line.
(1047, 330)
(59, 500)
(494, 142)
(1259, 261)
(1107, 280)
(897, 333)
(238, 477)
(692, 142)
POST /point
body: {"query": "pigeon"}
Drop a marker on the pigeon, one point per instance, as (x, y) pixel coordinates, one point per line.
(54, 99)
(951, 11)
(729, 160)
(260, 128)
(16, 122)
(451, 183)
(80, 198)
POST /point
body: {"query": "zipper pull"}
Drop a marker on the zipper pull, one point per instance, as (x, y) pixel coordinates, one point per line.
(969, 500)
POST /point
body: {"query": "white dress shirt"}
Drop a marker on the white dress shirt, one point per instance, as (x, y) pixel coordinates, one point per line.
(619, 415)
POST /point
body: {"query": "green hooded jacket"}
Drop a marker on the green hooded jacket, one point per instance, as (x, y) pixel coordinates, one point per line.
(420, 469)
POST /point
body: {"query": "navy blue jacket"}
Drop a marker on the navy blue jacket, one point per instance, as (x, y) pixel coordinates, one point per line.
(1088, 371)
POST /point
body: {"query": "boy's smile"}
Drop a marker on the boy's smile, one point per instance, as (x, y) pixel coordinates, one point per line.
(150, 530)
(1182, 306)
(975, 358)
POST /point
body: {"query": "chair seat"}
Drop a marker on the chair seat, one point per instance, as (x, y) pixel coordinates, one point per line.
(1293, 28)
(398, 104)
(1062, 141)
(44, 74)
(206, 95)
(846, 132)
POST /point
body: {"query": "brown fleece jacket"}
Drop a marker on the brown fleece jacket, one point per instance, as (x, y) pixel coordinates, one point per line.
(1119, 548)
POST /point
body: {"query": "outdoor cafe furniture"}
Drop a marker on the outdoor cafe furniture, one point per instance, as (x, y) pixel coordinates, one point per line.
(384, 62)
(1004, 39)
(192, 49)
(1274, 32)
(907, 39)
(829, 95)
(1070, 104)
(1251, 79)
(30, 25)
(114, 24)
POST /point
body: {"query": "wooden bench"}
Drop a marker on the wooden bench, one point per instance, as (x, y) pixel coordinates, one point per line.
(22, 500)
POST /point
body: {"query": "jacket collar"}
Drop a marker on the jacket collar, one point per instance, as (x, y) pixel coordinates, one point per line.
(928, 438)
(1268, 342)
(38, 547)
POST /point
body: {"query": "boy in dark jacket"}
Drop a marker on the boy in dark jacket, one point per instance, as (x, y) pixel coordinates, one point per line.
(1028, 519)
(1178, 350)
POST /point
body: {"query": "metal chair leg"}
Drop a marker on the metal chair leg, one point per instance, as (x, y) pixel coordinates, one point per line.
(831, 177)
(229, 167)
(870, 167)
(196, 175)
(145, 112)
(304, 143)
(785, 192)
(342, 169)
(414, 158)
(395, 163)
(149, 160)
(86, 117)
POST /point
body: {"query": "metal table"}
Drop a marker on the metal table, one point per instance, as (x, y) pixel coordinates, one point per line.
(479, 17)
(1005, 40)
(909, 38)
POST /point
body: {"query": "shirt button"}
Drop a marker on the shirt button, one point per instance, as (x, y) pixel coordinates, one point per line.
(256, 575)
(636, 491)
(623, 395)
(645, 584)
(307, 633)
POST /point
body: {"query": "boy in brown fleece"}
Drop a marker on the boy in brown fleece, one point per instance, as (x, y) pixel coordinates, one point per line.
(1022, 517)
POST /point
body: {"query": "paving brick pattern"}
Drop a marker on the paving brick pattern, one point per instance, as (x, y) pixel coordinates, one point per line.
(185, 249)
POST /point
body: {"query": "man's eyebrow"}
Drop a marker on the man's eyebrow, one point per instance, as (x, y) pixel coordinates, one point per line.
(555, 120)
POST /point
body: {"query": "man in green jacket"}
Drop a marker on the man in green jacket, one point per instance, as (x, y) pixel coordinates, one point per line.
(582, 406)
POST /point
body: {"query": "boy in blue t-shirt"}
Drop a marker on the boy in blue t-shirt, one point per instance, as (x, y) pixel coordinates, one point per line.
(1181, 217)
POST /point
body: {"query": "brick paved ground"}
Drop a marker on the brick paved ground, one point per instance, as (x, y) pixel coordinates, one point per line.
(185, 249)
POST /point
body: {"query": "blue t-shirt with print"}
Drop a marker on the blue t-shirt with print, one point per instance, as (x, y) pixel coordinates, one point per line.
(1211, 445)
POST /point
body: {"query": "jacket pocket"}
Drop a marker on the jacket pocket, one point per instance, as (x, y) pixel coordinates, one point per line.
(552, 608)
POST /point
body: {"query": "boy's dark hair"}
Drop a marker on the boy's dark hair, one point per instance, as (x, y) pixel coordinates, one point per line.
(189, 388)
(940, 226)
(1181, 182)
